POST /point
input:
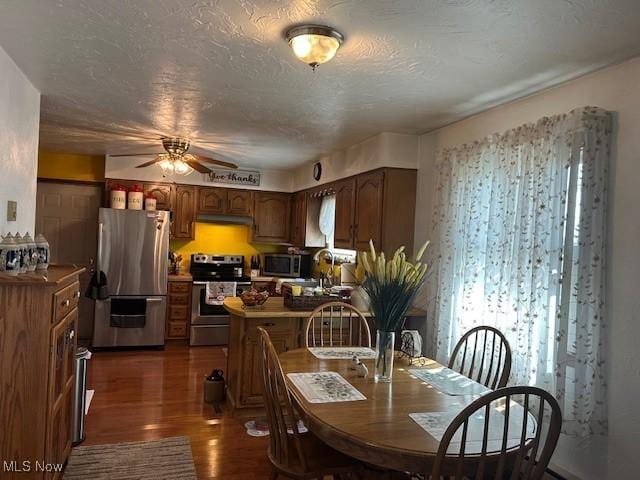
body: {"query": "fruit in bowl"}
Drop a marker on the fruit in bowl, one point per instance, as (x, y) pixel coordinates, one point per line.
(253, 298)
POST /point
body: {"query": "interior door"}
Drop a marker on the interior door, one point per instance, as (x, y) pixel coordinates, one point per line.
(67, 215)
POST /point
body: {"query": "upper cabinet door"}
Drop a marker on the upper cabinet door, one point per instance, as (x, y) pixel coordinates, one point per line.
(343, 236)
(163, 194)
(299, 219)
(184, 213)
(368, 222)
(271, 216)
(239, 202)
(212, 200)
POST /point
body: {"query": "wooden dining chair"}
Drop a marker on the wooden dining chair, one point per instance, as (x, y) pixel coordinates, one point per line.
(484, 355)
(520, 449)
(293, 454)
(337, 324)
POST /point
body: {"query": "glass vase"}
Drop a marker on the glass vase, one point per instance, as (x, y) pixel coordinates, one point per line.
(385, 342)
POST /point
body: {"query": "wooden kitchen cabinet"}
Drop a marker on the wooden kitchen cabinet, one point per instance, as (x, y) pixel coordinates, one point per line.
(368, 211)
(271, 217)
(244, 376)
(212, 201)
(225, 201)
(299, 218)
(163, 193)
(378, 205)
(184, 213)
(343, 236)
(38, 331)
(178, 310)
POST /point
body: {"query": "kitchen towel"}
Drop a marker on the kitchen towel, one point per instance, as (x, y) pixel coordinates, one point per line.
(216, 292)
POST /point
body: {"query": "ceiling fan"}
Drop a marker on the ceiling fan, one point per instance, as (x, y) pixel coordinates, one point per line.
(175, 158)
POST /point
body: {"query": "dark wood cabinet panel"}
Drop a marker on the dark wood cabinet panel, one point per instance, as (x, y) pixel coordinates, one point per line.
(239, 202)
(212, 201)
(299, 218)
(271, 217)
(163, 193)
(178, 310)
(184, 213)
(345, 213)
(251, 386)
(368, 211)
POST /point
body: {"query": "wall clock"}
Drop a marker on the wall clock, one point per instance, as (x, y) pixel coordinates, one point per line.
(317, 171)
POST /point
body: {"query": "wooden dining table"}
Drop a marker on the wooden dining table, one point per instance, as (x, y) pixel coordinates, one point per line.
(377, 430)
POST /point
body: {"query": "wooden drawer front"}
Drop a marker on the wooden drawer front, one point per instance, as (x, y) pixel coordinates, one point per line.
(179, 287)
(178, 312)
(271, 325)
(179, 299)
(177, 329)
(65, 300)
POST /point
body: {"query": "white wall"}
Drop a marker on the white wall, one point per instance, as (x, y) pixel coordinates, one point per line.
(384, 150)
(615, 89)
(19, 125)
(125, 168)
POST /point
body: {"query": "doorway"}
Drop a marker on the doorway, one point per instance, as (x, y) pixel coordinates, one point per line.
(67, 215)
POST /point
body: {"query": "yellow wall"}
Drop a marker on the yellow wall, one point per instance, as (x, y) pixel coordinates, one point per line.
(70, 166)
(217, 238)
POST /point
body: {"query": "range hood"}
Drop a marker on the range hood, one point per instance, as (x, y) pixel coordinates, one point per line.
(228, 219)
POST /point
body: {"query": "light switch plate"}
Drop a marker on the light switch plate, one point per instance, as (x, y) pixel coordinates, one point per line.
(12, 211)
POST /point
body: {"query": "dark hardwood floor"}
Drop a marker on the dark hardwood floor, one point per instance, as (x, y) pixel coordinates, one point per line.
(152, 394)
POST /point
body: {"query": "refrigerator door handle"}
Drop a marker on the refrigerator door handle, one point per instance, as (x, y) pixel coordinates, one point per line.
(149, 300)
(99, 256)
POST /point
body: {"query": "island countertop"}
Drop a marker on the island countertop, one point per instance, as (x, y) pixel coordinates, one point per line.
(274, 308)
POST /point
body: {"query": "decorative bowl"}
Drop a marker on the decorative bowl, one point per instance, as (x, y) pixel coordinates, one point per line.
(253, 298)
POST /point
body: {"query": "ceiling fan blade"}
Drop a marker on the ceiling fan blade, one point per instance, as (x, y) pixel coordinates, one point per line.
(133, 154)
(197, 166)
(148, 164)
(216, 162)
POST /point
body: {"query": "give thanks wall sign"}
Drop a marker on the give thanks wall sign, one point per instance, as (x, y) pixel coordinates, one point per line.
(234, 177)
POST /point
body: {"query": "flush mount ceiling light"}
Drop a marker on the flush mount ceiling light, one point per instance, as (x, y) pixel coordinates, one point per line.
(314, 44)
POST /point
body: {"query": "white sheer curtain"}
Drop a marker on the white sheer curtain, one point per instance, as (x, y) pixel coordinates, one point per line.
(519, 235)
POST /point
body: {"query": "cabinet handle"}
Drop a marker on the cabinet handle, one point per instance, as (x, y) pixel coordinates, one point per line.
(77, 295)
(66, 303)
(72, 334)
(268, 324)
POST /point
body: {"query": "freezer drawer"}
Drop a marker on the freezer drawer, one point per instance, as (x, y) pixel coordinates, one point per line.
(209, 335)
(131, 321)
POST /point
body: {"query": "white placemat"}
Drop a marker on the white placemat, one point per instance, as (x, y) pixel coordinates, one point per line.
(325, 387)
(436, 423)
(340, 353)
(449, 381)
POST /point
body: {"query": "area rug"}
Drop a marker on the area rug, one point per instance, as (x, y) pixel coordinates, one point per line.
(166, 459)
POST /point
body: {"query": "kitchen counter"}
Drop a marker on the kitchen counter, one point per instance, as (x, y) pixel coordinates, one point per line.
(180, 277)
(274, 307)
(54, 275)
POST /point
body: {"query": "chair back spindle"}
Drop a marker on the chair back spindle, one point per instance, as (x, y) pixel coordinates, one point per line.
(285, 449)
(509, 433)
(484, 355)
(337, 324)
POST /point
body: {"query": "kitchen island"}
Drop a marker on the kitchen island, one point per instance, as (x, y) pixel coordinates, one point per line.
(285, 327)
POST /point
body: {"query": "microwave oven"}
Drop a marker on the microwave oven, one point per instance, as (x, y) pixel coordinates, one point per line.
(287, 265)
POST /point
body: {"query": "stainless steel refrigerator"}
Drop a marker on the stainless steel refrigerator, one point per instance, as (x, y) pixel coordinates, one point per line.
(133, 247)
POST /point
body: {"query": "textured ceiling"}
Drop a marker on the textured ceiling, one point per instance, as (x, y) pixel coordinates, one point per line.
(116, 75)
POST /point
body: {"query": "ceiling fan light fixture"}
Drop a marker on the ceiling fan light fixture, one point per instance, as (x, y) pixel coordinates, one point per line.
(314, 44)
(181, 168)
